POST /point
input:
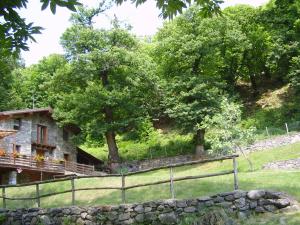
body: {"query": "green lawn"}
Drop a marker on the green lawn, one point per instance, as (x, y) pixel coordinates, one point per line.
(287, 181)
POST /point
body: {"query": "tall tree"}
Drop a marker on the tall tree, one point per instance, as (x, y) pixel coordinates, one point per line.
(106, 79)
(188, 53)
(33, 84)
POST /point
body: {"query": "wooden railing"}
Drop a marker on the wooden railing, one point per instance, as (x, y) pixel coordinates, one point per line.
(123, 186)
(79, 168)
(28, 162)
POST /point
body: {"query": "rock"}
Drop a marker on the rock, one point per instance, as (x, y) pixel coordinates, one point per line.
(160, 208)
(270, 208)
(168, 218)
(259, 209)
(139, 209)
(181, 204)
(45, 220)
(124, 216)
(229, 198)
(204, 199)
(190, 209)
(83, 215)
(255, 194)
(129, 221)
(253, 204)
(150, 216)
(139, 218)
(147, 209)
(239, 194)
(80, 221)
(34, 221)
(218, 199)
(240, 203)
(281, 203)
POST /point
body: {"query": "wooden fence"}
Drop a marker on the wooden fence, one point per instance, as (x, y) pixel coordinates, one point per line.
(123, 186)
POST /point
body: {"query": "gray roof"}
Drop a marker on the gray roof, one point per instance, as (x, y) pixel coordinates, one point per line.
(26, 111)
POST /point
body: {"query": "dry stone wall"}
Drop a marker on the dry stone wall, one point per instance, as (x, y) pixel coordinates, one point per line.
(155, 212)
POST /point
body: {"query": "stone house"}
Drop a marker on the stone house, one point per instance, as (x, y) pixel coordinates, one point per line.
(38, 147)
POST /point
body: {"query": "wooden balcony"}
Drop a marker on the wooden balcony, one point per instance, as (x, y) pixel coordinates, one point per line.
(28, 162)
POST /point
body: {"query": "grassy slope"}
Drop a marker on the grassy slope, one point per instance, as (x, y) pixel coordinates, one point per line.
(286, 181)
(158, 145)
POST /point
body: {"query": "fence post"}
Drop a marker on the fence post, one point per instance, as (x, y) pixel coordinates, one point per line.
(236, 185)
(172, 183)
(73, 190)
(4, 197)
(267, 132)
(287, 128)
(123, 189)
(38, 201)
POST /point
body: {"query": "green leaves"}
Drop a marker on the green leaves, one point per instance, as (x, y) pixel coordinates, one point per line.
(70, 4)
(14, 31)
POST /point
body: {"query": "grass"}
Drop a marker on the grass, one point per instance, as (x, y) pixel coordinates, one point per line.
(286, 181)
(158, 145)
(271, 219)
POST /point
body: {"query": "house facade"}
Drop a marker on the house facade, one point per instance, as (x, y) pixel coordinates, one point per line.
(38, 147)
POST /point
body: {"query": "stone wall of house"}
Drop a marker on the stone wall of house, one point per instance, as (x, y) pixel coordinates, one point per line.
(22, 137)
(28, 134)
(55, 137)
(240, 203)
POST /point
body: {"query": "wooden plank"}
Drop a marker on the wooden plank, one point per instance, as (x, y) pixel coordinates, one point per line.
(236, 185)
(38, 201)
(172, 184)
(73, 191)
(123, 190)
(4, 197)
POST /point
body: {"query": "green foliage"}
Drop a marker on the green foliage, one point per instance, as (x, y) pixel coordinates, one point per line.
(170, 9)
(67, 221)
(2, 218)
(158, 145)
(294, 73)
(226, 132)
(33, 84)
(14, 31)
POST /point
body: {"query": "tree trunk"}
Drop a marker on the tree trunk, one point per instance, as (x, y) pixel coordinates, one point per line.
(113, 153)
(253, 84)
(199, 138)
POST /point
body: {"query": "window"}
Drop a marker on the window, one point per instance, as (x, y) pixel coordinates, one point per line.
(42, 134)
(17, 124)
(65, 135)
(66, 157)
(17, 148)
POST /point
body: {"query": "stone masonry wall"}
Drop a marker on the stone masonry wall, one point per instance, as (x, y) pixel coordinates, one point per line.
(155, 212)
(151, 163)
(28, 134)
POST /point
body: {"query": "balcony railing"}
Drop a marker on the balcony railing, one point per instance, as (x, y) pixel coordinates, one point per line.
(30, 163)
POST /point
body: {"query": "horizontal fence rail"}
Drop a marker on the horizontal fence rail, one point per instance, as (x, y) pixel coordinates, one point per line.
(123, 186)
